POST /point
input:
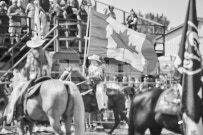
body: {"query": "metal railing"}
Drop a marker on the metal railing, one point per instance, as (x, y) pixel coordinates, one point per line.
(150, 23)
(65, 25)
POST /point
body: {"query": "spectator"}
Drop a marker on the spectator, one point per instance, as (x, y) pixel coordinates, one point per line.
(3, 21)
(71, 17)
(82, 14)
(74, 4)
(132, 20)
(137, 83)
(43, 6)
(158, 83)
(125, 81)
(111, 12)
(4, 5)
(87, 4)
(30, 11)
(23, 4)
(51, 4)
(115, 79)
(14, 20)
(132, 82)
(144, 85)
(57, 11)
(105, 11)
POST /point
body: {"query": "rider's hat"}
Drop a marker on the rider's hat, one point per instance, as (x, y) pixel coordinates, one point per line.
(35, 42)
(94, 57)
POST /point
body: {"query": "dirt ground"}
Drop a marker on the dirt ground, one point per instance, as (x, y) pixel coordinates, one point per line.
(120, 131)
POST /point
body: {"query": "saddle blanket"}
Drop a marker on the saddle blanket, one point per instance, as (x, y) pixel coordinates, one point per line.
(168, 102)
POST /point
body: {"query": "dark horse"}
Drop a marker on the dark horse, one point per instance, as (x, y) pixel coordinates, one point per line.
(3, 102)
(143, 115)
(116, 99)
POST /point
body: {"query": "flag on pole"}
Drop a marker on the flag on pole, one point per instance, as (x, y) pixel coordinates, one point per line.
(109, 38)
(188, 63)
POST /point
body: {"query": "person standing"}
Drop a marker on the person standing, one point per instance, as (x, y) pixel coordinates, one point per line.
(111, 12)
(30, 11)
(132, 20)
(14, 21)
(38, 64)
(145, 84)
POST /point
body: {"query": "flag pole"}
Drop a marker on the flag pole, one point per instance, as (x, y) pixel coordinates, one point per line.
(86, 42)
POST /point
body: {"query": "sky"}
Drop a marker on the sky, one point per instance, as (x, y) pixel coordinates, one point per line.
(174, 10)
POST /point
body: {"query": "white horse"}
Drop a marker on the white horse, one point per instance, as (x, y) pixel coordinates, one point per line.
(54, 101)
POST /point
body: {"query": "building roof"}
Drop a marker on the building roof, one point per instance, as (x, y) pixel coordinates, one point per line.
(200, 19)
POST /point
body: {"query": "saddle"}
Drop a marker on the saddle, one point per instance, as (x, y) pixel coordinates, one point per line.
(33, 90)
(169, 102)
(35, 86)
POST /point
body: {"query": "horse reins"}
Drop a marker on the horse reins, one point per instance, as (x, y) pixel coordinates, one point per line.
(83, 93)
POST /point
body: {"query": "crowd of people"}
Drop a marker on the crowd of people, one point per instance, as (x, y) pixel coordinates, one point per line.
(21, 14)
(141, 83)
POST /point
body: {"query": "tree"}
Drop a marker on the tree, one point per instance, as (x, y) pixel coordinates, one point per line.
(144, 26)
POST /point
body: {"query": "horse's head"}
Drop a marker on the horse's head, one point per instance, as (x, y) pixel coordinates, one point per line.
(72, 75)
(18, 77)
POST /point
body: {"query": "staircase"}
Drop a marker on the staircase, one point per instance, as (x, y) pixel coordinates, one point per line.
(59, 40)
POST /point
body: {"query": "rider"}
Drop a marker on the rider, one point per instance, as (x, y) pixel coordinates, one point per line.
(96, 72)
(38, 64)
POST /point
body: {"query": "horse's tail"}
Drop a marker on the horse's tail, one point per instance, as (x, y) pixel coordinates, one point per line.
(131, 122)
(78, 108)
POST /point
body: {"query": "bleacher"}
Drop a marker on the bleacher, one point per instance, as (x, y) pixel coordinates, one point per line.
(59, 40)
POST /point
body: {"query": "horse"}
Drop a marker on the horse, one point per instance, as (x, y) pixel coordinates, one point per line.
(53, 101)
(3, 102)
(116, 99)
(86, 90)
(142, 115)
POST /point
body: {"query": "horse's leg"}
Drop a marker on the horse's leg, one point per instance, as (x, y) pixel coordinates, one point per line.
(68, 120)
(117, 121)
(30, 127)
(20, 125)
(68, 117)
(155, 130)
(123, 116)
(55, 123)
(138, 133)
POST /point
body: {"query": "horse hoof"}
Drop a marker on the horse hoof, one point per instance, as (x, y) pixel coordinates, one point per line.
(109, 133)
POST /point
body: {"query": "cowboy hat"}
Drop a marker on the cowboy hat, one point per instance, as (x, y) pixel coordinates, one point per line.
(94, 57)
(35, 42)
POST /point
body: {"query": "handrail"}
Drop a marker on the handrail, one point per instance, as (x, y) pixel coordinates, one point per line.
(50, 42)
(27, 54)
(13, 47)
(17, 53)
(128, 13)
(22, 58)
(52, 30)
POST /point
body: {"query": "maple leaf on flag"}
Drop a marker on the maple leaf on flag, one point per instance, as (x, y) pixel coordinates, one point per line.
(125, 40)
